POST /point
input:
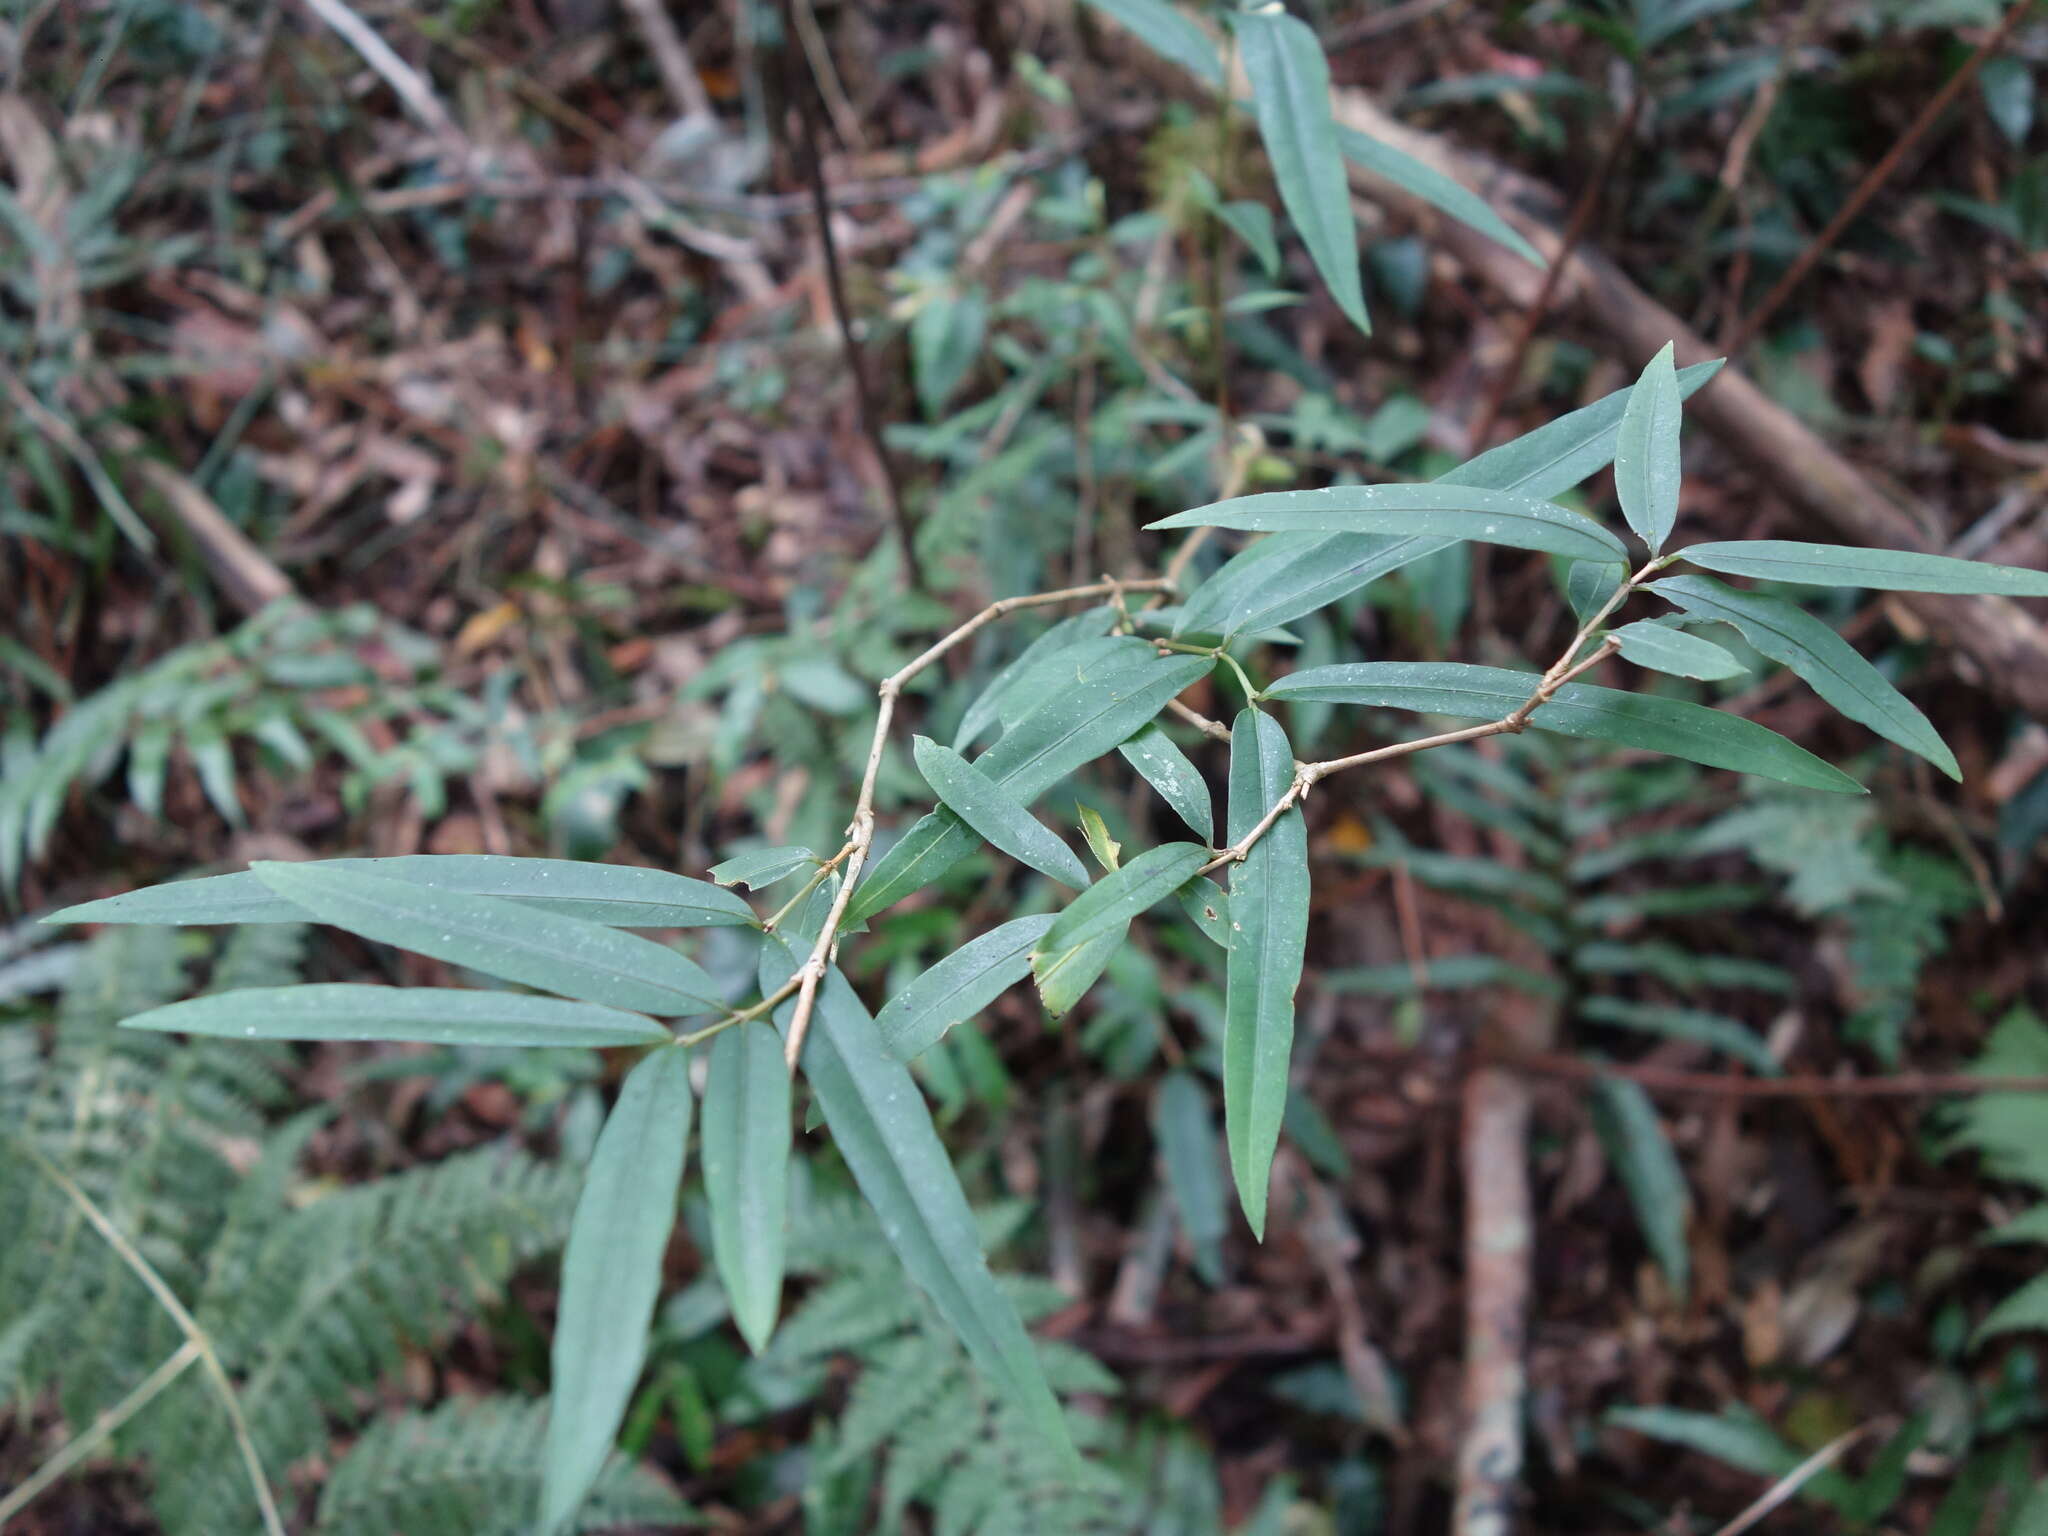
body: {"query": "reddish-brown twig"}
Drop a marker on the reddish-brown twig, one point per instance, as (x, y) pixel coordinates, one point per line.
(1876, 177)
(1574, 231)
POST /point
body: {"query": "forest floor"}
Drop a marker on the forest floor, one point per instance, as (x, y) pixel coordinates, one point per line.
(527, 341)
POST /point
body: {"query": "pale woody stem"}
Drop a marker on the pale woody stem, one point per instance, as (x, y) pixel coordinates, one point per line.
(860, 834)
(1562, 671)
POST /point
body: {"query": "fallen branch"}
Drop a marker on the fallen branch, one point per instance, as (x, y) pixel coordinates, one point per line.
(247, 577)
(2003, 649)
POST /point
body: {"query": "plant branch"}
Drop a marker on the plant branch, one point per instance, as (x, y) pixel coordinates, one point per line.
(860, 832)
(1564, 670)
(1215, 730)
(1574, 231)
(82, 1445)
(812, 161)
(195, 1336)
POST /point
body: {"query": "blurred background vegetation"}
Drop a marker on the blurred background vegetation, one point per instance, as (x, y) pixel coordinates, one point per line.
(430, 429)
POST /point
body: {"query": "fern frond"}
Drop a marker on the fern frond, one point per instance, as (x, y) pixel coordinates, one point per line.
(472, 1468)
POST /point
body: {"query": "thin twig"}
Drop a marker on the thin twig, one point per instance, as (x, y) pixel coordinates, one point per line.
(82, 1445)
(1875, 178)
(1574, 231)
(860, 832)
(1786, 1486)
(404, 80)
(1215, 730)
(813, 164)
(671, 57)
(273, 1523)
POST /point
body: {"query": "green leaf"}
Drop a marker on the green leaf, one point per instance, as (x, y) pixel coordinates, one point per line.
(1436, 189)
(1169, 33)
(1066, 669)
(1187, 1145)
(1290, 86)
(1180, 784)
(1441, 511)
(1207, 907)
(746, 1172)
(1694, 1024)
(1083, 937)
(883, 1129)
(1107, 850)
(614, 894)
(430, 1015)
(1281, 578)
(1561, 453)
(979, 801)
(1268, 913)
(1641, 1155)
(1082, 723)
(611, 1275)
(945, 338)
(1638, 720)
(1828, 663)
(1069, 632)
(499, 938)
(2026, 1309)
(759, 868)
(1072, 728)
(1664, 649)
(959, 986)
(1847, 565)
(1588, 584)
(1646, 453)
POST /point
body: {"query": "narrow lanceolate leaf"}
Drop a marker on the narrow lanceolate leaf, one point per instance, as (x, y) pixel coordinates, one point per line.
(1439, 511)
(1281, 578)
(746, 1172)
(613, 894)
(1588, 584)
(882, 1127)
(611, 1275)
(431, 1015)
(761, 867)
(1072, 728)
(1664, 649)
(1163, 28)
(1207, 907)
(1290, 85)
(1561, 453)
(959, 986)
(1187, 1146)
(499, 938)
(1082, 723)
(1268, 913)
(1069, 632)
(1646, 453)
(1180, 784)
(1845, 565)
(1065, 670)
(1829, 664)
(1434, 188)
(1640, 1154)
(1083, 937)
(991, 811)
(1637, 720)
